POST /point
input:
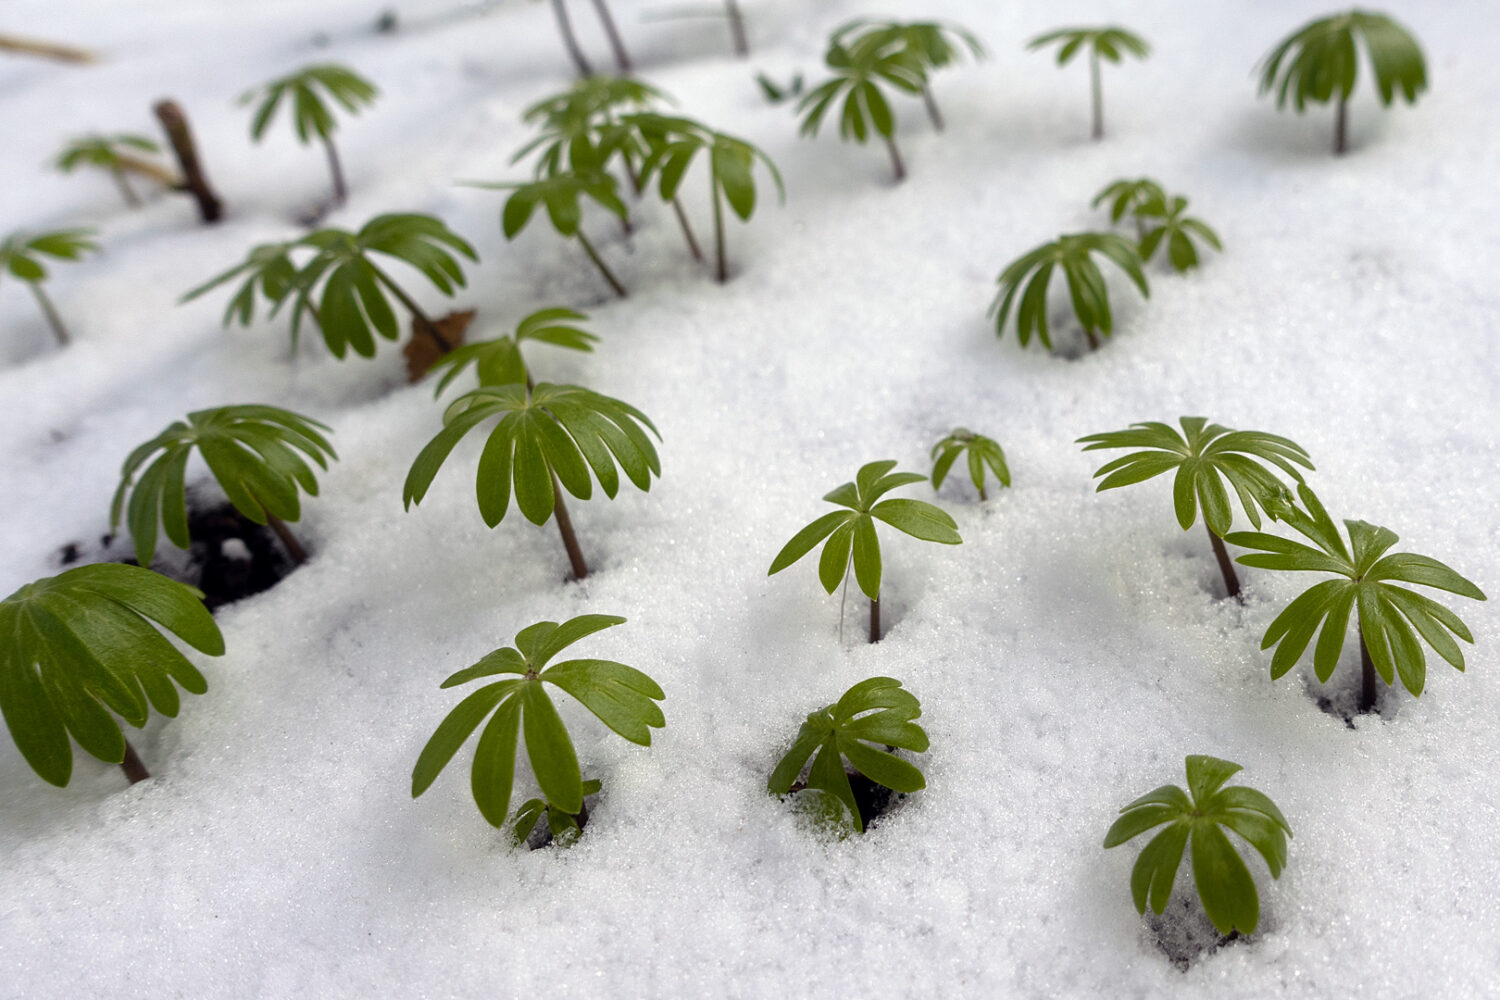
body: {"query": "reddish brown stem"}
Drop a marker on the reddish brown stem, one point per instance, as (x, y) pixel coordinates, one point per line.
(174, 121)
(570, 41)
(875, 619)
(622, 58)
(588, 248)
(565, 528)
(1367, 689)
(132, 766)
(933, 113)
(737, 29)
(340, 191)
(1341, 127)
(898, 167)
(1226, 565)
(288, 540)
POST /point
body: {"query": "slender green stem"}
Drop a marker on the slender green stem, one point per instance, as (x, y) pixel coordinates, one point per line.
(687, 230)
(898, 167)
(132, 766)
(722, 266)
(933, 113)
(340, 192)
(58, 330)
(125, 190)
(415, 310)
(1226, 565)
(1098, 95)
(588, 248)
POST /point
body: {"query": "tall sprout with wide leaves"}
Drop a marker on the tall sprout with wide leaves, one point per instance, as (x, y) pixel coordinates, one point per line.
(308, 92)
(498, 361)
(859, 71)
(928, 45)
(118, 155)
(78, 649)
(674, 143)
(1200, 815)
(1109, 43)
(21, 256)
(850, 533)
(562, 196)
(1319, 63)
(621, 697)
(877, 711)
(257, 454)
(347, 291)
(546, 440)
(1203, 457)
(1393, 620)
(1087, 292)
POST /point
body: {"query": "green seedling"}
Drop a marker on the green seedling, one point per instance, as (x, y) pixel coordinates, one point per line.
(564, 827)
(1391, 618)
(346, 291)
(1086, 288)
(1125, 196)
(251, 450)
(1166, 223)
(930, 45)
(622, 698)
(673, 143)
(877, 711)
(120, 155)
(1200, 815)
(268, 270)
(851, 533)
(545, 435)
(1319, 62)
(79, 650)
(499, 362)
(859, 70)
(1204, 455)
(776, 93)
(21, 255)
(982, 451)
(1108, 43)
(561, 194)
(311, 115)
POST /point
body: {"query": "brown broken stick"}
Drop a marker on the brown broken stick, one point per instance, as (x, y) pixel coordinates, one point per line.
(47, 50)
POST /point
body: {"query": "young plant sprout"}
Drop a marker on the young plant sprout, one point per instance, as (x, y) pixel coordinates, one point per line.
(251, 450)
(1086, 288)
(1200, 814)
(1106, 42)
(499, 362)
(21, 254)
(622, 698)
(545, 435)
(346, 291)
(119, 155)
(268, 270)
(1319, 62)
(1166, 223)
(311, 114)
(982, 451)
(560, 193)
(575, 125)
(79, 650)
(1204, 455)
(858, 70)
(930, 45)
(1125, 196)
(876, 711)
(851, 533)
(1392, 619)
(674, 142)
(564, 827)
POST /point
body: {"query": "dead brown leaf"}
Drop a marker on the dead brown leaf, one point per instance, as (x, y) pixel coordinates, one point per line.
(423, 349)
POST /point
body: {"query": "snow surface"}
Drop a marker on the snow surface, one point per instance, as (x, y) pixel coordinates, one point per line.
(1068, 654)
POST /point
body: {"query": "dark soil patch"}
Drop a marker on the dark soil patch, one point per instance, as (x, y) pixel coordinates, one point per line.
(1184, 933)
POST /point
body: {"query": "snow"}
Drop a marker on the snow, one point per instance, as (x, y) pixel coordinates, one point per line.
(1068, 655)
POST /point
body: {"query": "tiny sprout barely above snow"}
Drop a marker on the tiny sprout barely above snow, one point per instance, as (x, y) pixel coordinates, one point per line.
(21, 256)
(982, 451)
(1108, 43)
(311, 116)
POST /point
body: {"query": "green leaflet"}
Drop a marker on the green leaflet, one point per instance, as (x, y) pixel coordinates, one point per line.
(21, 253)
(307, 91)
(621, 697)
(499, 361)
(1224, 884)
(1318, 62)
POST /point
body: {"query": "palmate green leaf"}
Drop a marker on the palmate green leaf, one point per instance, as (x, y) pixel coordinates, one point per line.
(875, 711)
(559, 194)
(20, 252)
(925, 44)
(851, 534)
(673, 143)
(1166, 223)
(860, 65)
(982, 451)
(1224, 884)
(623, 698)
(1393, 621)
(499, 362)
(1205, 456)
(1108, 43)
(255, 452)
(267, 270)
(1086, 288)
(564, 430)
(81, 645)
(1319, 61)
(579, 128)
(1124, 196)
(104, 151)
(305, 90)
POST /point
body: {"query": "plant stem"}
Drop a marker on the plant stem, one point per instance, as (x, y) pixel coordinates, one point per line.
(1093, 340)
(1341, 127)
(874, 619)
(897, 167)
(737, 29)
(622, 60)
(933, 113)
(722, 272)
(1367, 675)
(687, 230)
(288, 540)
(174, 121)
(565, 528)
(124, 186)
(982, 497)
(570, 41)
(415, 310)
(1226, 566)
(1098, 95)
(60, 331)
(588, 248)
(340, 192)
(132, 766)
